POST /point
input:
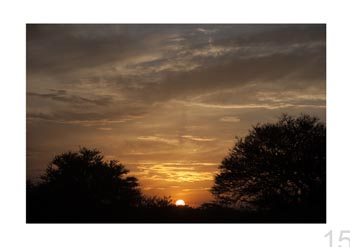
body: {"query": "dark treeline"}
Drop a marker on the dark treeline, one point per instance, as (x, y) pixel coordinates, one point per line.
(277, 173)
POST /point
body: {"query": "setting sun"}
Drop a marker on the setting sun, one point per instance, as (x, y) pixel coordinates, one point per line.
(180, 203)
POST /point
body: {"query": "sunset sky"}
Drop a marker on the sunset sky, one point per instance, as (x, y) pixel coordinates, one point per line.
(166, 100)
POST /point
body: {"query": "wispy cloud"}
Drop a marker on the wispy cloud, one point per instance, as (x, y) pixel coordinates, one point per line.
(105, 129)
(158, 139)
(199, 139)
(63, 96)
(83, 122)
(251, 106)
(162, 172)
(230, 119)
(207, 31)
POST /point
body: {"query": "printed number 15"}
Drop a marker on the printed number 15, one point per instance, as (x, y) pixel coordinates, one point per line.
(342, 237)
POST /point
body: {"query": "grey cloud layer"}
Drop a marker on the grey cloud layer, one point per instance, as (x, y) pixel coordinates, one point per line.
(157, 63)
(105, 74)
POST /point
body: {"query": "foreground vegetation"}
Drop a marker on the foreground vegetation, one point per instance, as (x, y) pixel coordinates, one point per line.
(277, 173)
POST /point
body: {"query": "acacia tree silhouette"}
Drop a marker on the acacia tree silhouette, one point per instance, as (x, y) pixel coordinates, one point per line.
(81, 186)
(276, 166)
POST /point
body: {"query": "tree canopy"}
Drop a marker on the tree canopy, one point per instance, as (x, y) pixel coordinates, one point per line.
(82, 183)
(277, 165)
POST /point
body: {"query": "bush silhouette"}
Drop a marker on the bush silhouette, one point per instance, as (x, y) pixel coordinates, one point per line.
(277, 166)
(82, 186)
(156, 202)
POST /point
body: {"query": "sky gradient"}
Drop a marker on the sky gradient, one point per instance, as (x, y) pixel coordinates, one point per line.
(166, 100)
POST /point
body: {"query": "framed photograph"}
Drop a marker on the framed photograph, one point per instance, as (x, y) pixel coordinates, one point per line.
(176, 123)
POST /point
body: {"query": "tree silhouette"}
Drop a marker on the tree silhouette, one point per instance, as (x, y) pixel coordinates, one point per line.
(81, 185)
(156, 202)
(276, 166)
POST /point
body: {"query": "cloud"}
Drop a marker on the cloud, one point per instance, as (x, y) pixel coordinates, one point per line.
(80, 119)
(141, 66)
(196, 189)
(230, 119)
(199, 139)
(251, 106)
(290, 70)
(176, 174)
(103, 128)
(206, 31)
(212, 51)
(61, 95)
(158, 139)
